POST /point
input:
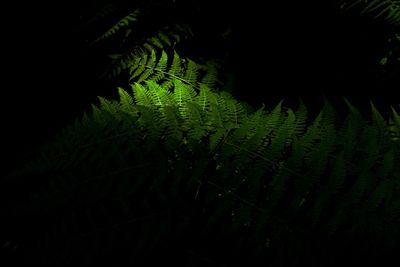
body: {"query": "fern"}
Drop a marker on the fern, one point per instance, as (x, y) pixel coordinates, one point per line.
(202, 153)
(174, 159)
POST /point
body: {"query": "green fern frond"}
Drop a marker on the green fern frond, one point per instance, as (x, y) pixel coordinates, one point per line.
(217, 109)
(175, 68)
(127, 102)
(194, 123)
(183, 94)
(301, 119)
(203, 99)
(211, 77)
(147, 66)
(140, 66)
(191, 72)
(394, 126)
(141, 95)
(165, 39)
(111, 107)
(235, 112)
(283, 136)
(122, 23)
(162, 67)
(380, 126)
(161, 97)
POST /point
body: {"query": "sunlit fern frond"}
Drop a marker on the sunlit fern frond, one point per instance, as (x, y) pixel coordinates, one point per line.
(160, 68)
(164, 40)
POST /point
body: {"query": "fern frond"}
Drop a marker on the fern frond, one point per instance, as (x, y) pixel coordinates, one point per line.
(235, 112)
(161, 67)
(394, 126)
(191, 73)
(127, 102)
(211, 76)
(164, 40)
(141, 95)
(380, 127)
(175, 68)
(147, 66)
(183, 94)
(301, 119)
(122, 23)
(194, 123)
(204, 97)
(161, 97)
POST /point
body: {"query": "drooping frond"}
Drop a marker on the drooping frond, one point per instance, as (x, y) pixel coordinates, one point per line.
(122, 23)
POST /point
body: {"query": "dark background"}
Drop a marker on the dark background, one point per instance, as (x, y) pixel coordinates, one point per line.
(282, 50)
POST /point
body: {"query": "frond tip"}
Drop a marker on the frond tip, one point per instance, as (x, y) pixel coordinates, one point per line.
(122, 23)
